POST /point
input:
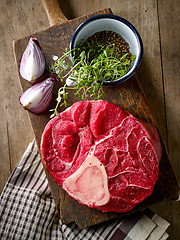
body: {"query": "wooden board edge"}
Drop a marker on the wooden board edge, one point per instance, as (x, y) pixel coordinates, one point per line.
(176, 194)
(105, 10)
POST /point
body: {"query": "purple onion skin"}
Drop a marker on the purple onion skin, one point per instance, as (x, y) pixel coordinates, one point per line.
(32, 64)
(37, 98)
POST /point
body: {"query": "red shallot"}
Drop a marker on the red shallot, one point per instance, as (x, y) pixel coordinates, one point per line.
(32, 63)
(37, 98)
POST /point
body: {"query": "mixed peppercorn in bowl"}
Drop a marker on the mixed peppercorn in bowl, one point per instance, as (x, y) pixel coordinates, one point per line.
(104, 50)
(117, 39)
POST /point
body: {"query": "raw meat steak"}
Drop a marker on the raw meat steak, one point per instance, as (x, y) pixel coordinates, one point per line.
(101, 155)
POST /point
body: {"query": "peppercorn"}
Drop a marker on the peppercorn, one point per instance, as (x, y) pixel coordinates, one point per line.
(108, 38)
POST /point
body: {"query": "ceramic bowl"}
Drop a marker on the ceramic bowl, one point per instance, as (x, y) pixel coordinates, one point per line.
(116, 24)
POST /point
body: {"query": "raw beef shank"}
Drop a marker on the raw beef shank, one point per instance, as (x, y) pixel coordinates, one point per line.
(101, 155)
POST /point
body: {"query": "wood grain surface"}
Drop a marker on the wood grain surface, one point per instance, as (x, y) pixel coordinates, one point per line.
(158, 74)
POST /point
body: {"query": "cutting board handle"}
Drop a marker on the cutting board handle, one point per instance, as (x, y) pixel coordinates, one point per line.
(54, 12)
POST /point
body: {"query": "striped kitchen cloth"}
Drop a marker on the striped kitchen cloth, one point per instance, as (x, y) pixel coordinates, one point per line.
(27, 211)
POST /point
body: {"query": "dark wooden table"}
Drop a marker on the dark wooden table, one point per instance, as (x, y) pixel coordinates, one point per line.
(157, 23)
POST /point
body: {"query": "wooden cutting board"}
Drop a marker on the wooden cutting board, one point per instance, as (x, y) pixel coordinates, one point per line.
(127, 95)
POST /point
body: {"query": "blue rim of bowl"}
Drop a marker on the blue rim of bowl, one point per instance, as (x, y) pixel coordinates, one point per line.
(137, 35)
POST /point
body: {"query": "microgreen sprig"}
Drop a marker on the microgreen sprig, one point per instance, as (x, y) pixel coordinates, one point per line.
(92, 65)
